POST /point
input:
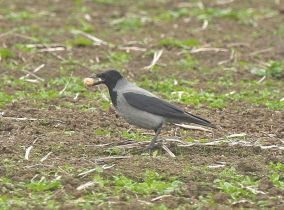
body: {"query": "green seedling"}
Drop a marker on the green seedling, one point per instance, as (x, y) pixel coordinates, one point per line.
(280, 30)
(107, 2)
(86, 27)
(138, 136)
(102, 132)
(172, 42)
(80, 41)
(126, 24)
(44, 185)
(20, 15)
(187, 63)
(6, 53)
(276, 176)
(171, 15)
(245, 16)
(118, 58)
(153, 183)
(274, 69)
(237, 186)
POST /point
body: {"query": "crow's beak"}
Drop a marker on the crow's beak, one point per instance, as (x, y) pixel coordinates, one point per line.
(97, 79)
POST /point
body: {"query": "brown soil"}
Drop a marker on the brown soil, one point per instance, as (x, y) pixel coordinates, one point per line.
(49, 133)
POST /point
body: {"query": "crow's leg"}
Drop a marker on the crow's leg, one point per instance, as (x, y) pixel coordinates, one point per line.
(153, 142)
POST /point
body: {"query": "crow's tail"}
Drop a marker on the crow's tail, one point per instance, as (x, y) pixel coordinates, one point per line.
(198, 120)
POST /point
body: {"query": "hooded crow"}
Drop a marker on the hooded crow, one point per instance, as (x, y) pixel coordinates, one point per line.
(142, 108)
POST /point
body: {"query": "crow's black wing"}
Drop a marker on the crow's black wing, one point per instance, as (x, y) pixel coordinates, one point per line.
(162, 108)
(153, 105)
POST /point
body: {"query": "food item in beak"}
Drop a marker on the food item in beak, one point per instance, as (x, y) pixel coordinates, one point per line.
(88, 82)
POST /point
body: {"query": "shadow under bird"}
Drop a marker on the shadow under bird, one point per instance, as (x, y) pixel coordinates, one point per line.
(142, 108)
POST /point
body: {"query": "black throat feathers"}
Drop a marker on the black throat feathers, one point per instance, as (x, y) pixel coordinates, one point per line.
(113, 96)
